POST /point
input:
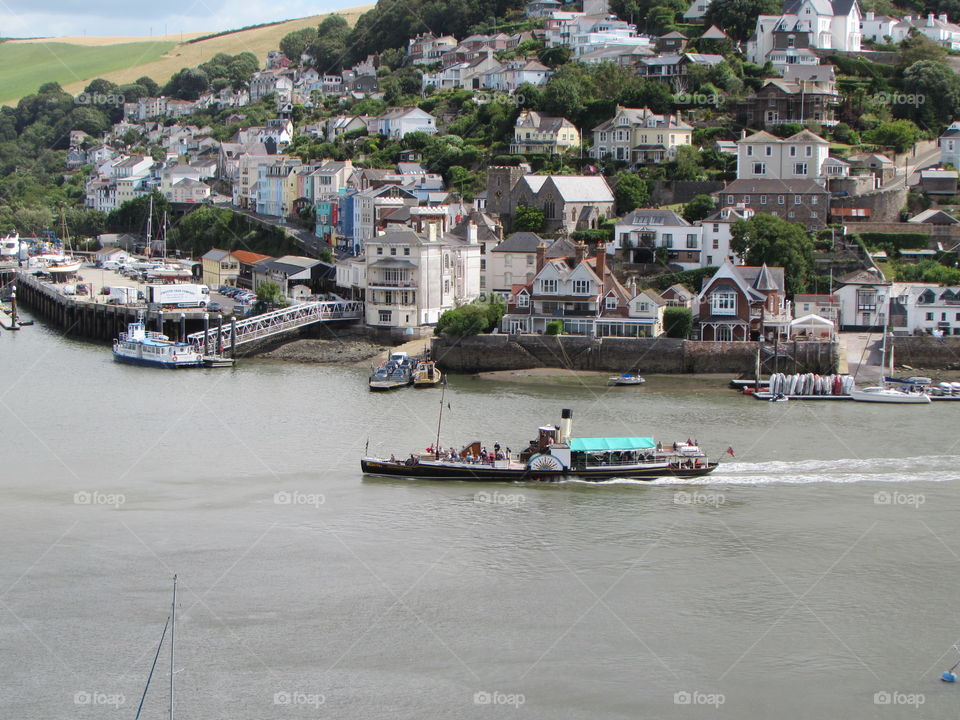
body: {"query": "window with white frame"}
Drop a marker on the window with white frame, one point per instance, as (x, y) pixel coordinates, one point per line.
(797, 199)
(799, 168)
(763, 199)
(548, 286)
(667, 239)
(523, 300)
(611, 302)
(692, 240)
(723, 302)
(780, 199)
(814, 199)
(581, 287)
(759, 168)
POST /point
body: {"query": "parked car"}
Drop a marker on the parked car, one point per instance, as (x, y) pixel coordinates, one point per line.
(214, 307)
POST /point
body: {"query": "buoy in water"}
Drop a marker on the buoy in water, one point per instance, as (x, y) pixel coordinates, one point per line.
(948, 677)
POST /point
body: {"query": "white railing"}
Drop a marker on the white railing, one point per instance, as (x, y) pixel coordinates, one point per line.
(276, 322)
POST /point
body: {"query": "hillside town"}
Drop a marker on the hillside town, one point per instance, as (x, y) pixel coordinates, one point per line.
(788, 192)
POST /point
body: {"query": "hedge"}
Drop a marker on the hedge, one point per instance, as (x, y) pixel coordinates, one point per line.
(899, 241)
(592, 237)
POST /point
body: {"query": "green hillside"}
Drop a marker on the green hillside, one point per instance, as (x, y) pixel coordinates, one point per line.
(26, 66)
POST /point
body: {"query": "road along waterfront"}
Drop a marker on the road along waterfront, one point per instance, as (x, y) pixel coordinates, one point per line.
(808, 577)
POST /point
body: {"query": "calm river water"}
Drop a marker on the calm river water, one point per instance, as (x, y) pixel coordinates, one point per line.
(814, 575)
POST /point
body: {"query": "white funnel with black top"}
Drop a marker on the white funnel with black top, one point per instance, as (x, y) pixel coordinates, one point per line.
(566, 426)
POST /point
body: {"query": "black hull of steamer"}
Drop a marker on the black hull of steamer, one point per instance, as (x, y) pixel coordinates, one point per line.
(430, 470)
(555, 455)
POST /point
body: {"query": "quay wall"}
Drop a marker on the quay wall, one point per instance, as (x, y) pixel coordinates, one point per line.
(82, 317)
(650, 355)
(926, 351)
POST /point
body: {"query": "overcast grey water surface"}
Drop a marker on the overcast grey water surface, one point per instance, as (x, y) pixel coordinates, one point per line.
(814, 575)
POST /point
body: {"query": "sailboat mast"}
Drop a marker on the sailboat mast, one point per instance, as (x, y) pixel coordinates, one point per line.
(443, 390)
(150, 226)
(173, 628)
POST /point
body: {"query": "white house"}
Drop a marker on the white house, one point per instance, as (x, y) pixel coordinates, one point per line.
(765, 156)
(864, 299)
(936, 27)
(398, 122)
(949, 143)
(717, 234)
(925, 308)
(877, 28)
(640, 233)
(821, 24)
(412, 279)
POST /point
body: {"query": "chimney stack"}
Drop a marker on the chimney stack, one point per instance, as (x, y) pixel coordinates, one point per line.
(541, 256)
(472, 233)
(943, 18)
(581, 252)
(431, 232)
(601, 264)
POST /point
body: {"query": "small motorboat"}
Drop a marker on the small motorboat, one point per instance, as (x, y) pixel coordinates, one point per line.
(427, 374)
(626, 379)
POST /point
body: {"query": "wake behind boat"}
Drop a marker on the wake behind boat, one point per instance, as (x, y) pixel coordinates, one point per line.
(554, 456)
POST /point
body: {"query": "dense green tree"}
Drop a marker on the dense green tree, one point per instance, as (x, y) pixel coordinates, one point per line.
(187, 84)
(901, 135)
(698, 208)
(631, 192)
(778, 243)
(918, 47)
(131, 217)
(686, 165)
(677, 322)
(527, 218)
(464, 321)
(153, 90)
(269, 297)
(739, 17)
(294, 44)
(329, 49)
(931, 94)
(555, 56)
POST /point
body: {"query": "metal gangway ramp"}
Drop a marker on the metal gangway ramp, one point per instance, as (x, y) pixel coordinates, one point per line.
(275, 322)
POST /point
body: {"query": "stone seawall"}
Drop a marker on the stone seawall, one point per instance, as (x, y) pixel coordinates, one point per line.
(926, 351)
(651, 355)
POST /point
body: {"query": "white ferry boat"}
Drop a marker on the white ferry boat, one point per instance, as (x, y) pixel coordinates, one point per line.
(140, 346)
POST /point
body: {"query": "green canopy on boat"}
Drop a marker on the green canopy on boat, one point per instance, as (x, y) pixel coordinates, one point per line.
(611, 443)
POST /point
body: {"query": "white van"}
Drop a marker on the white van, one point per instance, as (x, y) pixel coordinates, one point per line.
(110, 265)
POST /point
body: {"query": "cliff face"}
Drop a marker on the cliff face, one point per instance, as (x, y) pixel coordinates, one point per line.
(652, 355)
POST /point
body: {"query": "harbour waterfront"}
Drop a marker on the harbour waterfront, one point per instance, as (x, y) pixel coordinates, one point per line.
(811, 576)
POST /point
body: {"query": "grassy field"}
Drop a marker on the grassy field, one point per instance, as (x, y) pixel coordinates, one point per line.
(73, 62)
(24, 67)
